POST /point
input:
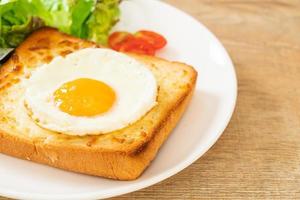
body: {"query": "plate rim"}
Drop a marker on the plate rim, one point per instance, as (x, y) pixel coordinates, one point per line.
(166, 174)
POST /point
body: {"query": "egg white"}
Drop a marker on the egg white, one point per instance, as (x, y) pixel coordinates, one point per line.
(134, 84)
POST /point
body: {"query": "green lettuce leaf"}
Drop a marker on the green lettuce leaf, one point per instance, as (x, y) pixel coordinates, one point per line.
(88, 19)
(105, 15)
(16, 22)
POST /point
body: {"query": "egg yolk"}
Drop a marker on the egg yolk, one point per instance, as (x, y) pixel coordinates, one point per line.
(84, 97)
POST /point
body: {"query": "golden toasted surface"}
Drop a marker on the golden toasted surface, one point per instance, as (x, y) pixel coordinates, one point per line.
(175, 82)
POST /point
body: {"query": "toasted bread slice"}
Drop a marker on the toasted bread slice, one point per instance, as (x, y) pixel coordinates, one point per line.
(122, 154)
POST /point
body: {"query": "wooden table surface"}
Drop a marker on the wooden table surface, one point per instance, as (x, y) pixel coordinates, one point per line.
(258, 156)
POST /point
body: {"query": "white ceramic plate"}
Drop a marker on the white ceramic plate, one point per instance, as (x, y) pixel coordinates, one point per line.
(202, 124)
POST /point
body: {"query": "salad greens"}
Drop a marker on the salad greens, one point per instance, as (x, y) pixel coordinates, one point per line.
(88, 19)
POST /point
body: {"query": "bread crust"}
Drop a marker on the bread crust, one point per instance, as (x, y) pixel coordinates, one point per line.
(120, 164)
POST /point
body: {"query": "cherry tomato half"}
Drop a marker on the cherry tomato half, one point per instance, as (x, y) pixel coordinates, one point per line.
(139, 46)
(142, 42)
(157, 40)
(117, 39)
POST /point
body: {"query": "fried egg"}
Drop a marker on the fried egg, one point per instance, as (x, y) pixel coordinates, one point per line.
(91, 91)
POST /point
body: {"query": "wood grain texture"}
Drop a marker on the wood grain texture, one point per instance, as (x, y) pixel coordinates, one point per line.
(258, 156)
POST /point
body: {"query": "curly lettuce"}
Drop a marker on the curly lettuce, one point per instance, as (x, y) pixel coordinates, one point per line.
(88, 19)
(98, 25)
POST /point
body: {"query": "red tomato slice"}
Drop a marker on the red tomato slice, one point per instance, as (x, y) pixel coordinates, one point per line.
(139, 46)
(155, 39)
(117, 39)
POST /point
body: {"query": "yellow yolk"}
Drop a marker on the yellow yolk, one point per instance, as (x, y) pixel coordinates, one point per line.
(84, 97)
